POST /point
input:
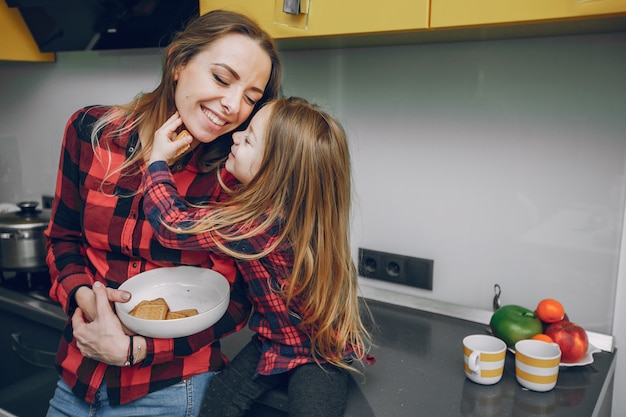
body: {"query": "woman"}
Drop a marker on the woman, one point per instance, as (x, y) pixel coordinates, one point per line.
(287, 225)
(215, 72)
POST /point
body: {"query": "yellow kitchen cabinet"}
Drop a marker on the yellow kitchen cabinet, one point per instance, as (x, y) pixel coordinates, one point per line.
(330, 17)
(16, 42)
(468, 13)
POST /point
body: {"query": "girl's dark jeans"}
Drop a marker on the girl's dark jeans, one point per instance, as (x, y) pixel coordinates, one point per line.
(313, 390)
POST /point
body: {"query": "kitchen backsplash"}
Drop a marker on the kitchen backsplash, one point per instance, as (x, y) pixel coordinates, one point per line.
(503, 161)
(10, 169)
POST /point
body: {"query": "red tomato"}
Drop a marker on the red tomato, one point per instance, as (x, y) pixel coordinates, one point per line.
(571, 338)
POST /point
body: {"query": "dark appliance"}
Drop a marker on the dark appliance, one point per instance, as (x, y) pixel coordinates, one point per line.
(30, 330)
(76, 25)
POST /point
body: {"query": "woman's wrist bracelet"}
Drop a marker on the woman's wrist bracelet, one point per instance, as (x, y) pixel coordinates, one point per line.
(130, 359)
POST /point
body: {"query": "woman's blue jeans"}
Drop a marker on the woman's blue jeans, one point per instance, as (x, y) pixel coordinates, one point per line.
(180, 400)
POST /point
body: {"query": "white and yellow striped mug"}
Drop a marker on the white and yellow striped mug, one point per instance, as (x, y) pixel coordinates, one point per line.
(537, 364)
(483, 357)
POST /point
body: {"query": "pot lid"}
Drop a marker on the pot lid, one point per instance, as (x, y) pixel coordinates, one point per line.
(27, 218)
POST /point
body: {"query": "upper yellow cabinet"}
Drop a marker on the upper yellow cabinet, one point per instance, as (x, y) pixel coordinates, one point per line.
(16, 42)
(321, 18)
(459, 13)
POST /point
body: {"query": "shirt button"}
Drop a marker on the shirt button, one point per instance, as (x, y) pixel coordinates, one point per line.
(134, 264)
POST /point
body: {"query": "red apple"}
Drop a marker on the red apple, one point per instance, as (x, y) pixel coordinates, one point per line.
(545, 325)
(571, 338)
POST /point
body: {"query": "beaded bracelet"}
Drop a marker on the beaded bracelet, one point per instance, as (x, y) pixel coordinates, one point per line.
(130, 359)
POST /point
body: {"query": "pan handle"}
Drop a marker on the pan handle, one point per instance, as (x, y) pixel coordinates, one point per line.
(32, 354)
(496, 297)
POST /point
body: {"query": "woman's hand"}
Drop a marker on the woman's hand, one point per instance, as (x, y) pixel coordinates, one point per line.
(102, 338)
(86, 300)
(164, 147)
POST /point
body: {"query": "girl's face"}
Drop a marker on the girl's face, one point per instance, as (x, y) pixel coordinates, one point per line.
(246, 154)
(217, 89)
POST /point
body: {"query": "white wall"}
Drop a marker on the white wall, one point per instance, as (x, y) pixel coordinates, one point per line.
(37, 99)
(503, 161)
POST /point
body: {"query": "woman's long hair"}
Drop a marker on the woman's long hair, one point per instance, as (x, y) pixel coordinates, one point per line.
(148, 111)
(304, 183)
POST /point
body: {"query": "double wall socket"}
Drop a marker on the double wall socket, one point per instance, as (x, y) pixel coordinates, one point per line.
(401, 269)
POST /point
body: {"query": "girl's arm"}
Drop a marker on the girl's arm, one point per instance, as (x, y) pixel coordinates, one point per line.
(163, 206)
(165, 209)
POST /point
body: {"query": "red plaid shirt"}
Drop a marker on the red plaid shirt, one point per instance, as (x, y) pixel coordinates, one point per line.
(98, 232)
(285, 343)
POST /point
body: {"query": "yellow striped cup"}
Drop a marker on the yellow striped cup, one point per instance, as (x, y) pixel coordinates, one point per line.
(483, 357)
(537, 364)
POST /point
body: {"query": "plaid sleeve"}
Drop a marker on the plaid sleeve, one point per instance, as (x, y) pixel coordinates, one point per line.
(165, 210)
(65, 252)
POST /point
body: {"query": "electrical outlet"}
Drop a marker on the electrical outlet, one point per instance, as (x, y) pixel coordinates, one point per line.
(401, 269)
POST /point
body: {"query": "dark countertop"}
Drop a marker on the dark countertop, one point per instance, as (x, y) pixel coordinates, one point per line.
(418, 371)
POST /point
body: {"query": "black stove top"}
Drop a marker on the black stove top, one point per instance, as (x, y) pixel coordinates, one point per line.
(25, 282)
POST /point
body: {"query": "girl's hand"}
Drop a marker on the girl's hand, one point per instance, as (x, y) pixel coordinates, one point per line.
(164, 148)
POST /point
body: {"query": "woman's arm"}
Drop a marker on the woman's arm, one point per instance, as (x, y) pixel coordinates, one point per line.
(66, 254)
(105, 340)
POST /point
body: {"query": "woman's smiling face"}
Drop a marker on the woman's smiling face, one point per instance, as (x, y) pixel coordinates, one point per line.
(217, 89)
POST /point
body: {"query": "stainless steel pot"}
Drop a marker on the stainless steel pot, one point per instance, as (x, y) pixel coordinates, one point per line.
(22, 240)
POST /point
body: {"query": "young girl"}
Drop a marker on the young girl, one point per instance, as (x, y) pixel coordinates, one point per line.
(287, 226)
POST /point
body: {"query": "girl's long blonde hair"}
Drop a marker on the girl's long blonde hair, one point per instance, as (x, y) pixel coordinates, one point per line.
(150, 110)
(304, 182)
